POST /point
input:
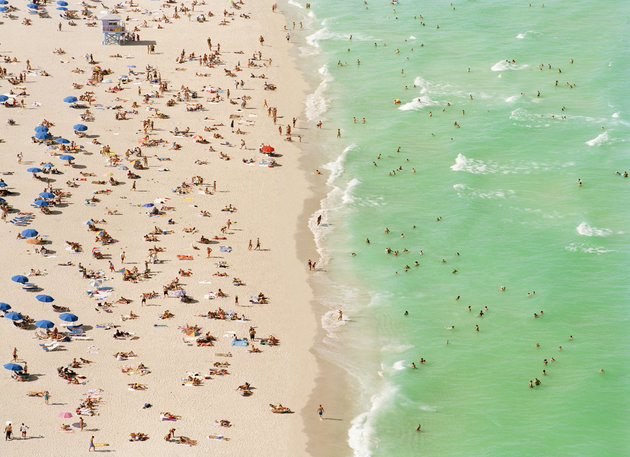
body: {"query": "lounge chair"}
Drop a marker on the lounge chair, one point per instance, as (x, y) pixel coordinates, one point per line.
(50, 347)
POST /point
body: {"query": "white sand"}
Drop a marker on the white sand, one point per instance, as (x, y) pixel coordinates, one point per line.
(269, 201)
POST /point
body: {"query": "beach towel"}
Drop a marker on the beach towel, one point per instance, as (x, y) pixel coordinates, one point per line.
(225, 249)
(240, 342)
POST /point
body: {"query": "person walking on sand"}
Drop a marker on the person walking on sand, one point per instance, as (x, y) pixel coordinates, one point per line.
(15, 355)
(46, 396)
(8, 430)
(249, 247)
(122, 257)
(320, 412)
(92, 446)
(257, 248)
(23, 429)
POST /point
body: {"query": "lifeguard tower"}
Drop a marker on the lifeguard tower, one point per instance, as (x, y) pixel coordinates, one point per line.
(113, 29)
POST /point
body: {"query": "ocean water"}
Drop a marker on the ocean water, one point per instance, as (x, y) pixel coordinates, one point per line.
(504, 106)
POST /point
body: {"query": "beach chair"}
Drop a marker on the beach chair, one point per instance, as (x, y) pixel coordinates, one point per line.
(50, 347)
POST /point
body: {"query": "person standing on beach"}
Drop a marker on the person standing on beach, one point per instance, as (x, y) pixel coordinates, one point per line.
(122, 257)
(23, 429)
(46, 396)
(8, 430)
(92, 446)
(320, 411)
(81, 423)
(15, 356)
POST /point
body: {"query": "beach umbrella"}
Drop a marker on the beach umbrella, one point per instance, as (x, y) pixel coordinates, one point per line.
(62, 141)
(13, 366)
(5, 307)
(62, 3)
(70, 99)
(2, 200)
(48, 165)
(80, 127)
(32, 6)
(66, 157)
(47, 195)
(41, 203)
(122, 167)
(29, 233)
(65, 415)
(131, 66)
(68, 317)
(3, 184)
(14, 316)
(267, 149)
(147, 205)
(3, 98)
(62, 8)
(3, 9)
(4, 2)
(34, 170)
(41, 128)
(45, 298)
(42, 135)
(44, 324)
(20, 278)
(96, 282)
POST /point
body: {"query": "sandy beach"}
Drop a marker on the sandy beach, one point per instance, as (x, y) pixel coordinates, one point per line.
(170, 190)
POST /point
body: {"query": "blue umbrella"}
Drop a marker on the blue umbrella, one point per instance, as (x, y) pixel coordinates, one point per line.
(62, 8)
(62, 141)
(43, 135)
(47, 165)
(13, 366)
(47, 195)
(3, 9)
(70, 99)
(147, 205)
(2, 200)
(3, 98)
(5, 307)
(32, 6)
(45, 298)
(34, 170)
(14, 316)
(62, 3)
(131, 66)
(4, 2)
(41, 203)
(44, 324)
(66, 157)
(20, 278)
(80, 127)
(41, 128)
(3, 184)
(68, 317)
(29, 233)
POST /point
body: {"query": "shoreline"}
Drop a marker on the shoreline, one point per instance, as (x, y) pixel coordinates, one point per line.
(332, 382)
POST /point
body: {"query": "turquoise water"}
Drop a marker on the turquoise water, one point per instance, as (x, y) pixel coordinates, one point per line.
(504, 186)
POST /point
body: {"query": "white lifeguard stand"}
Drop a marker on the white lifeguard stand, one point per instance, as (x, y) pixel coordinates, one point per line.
(113, 29)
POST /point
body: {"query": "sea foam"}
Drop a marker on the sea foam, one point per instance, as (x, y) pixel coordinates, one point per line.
(586, 230)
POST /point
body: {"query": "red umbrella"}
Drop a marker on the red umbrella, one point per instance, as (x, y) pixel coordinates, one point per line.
(267, 149)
